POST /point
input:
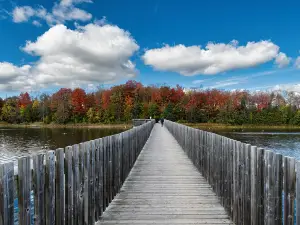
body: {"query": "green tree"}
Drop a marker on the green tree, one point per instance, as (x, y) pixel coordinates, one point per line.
(154, 110)
(10, 111)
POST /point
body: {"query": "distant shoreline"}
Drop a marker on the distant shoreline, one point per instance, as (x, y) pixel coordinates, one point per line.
(204, 126)
(218, 126)
(77, 125)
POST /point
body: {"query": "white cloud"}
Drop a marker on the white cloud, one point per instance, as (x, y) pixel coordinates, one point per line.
(282, 60)
(36, 23)
(198, 81)
(22, 14)
(286, 87)
(91, 54)
(297, 62)
(70, 2)
(61, 12)
(223, 84)
(213, 59)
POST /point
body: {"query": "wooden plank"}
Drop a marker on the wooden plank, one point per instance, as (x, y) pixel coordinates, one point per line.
(289, 190)
(69, 184)
(277, 195)
(86, 187)
(97, 180)
(76, 179)
(92, 183)
(24, 188)
(38, 178)
(254, 184)
(298, 193)
(81, 186)
(247, 183)
(269, 184)
(50, 188)
(110, 172)
(7, 194)
(105, 162)
(60, 187)
(101, 176)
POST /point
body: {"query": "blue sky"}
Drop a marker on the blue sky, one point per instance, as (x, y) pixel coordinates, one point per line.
(49, 44)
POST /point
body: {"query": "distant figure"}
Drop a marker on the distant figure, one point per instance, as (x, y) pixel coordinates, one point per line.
(162, 121)
(150, 117)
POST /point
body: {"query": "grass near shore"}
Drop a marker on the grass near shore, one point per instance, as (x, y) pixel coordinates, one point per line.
(218, 126)
(70, 125)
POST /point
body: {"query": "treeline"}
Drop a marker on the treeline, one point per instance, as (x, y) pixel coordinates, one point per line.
(133, 100)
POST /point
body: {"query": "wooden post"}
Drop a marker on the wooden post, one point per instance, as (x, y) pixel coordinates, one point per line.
(69, 184)
(24, 183)
(38, 180)
(50, 188)
(7, 194)
(60, 187)
(289, 190)
(76, 179)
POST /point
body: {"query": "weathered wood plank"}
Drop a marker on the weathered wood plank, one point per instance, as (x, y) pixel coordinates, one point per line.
(76, 186)
(81, 186)
(92, 183)
(86, 187)
(24, 188)
(38, 189)
(7, 194)
(278, 176)
(60, 187)
(289, 190)
(69, 184)
(97, 180)
(298, 193)
(254, 184)
(50, 188)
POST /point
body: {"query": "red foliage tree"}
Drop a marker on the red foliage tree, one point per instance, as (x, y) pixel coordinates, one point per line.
(24, 100)
(79, 101)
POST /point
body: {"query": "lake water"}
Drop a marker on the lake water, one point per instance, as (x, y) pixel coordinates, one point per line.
(284, 142)
(16, 142)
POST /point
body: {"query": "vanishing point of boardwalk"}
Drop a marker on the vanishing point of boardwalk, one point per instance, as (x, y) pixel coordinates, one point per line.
(164, 187)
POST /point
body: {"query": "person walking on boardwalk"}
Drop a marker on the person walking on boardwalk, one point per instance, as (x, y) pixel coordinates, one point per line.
(162, 121)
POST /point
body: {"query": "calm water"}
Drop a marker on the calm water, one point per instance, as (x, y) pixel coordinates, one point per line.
(23, 141)
(284, 142)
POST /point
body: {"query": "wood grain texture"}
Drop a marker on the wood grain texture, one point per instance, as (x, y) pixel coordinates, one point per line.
(7, 194)
(24, 188)
(38, 180)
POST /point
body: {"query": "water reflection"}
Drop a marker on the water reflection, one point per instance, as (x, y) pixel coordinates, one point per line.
(285, 143)
(23, 141)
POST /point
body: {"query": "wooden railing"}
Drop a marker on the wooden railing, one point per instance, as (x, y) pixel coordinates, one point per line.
(255, 186)
(138, 122)
(69, 186)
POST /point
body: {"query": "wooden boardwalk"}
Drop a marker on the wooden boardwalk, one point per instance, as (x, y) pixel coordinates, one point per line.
(164, 187)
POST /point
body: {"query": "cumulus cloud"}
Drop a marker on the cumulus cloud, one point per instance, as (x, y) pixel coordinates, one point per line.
(36, 23)
(61, 12)
(297, 62)
(22, 14)
(294, 87)
(87, 55)
(214, 58)
(282, 60)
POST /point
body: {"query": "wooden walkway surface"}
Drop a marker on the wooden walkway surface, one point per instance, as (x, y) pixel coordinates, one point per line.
(164, 187)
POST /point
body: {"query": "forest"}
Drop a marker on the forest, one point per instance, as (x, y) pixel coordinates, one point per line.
(121, 103)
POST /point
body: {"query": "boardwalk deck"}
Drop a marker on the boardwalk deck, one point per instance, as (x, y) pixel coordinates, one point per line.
(164, 187)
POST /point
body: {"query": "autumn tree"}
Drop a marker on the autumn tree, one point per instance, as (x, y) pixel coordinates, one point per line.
(61, 105)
